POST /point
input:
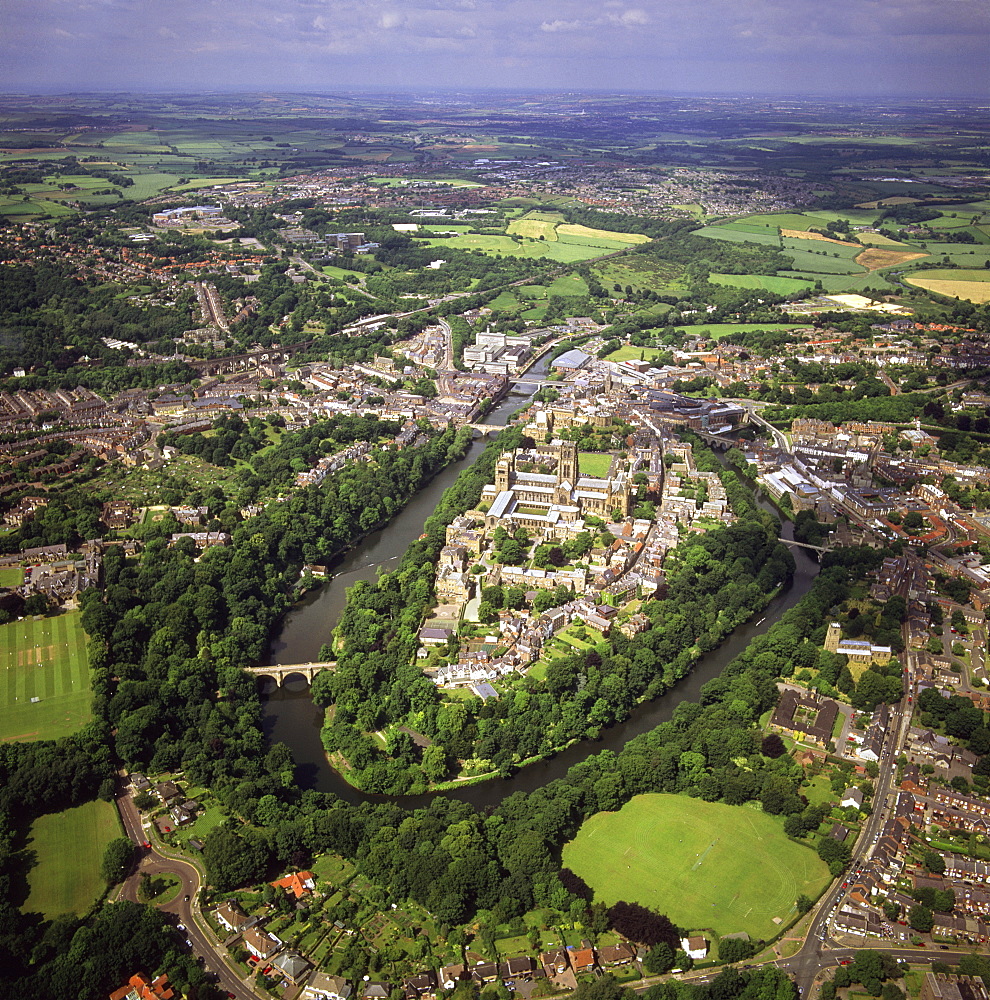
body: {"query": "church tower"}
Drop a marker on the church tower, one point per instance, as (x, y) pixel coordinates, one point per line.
(567, 465)
(833, 636)
(503, 473)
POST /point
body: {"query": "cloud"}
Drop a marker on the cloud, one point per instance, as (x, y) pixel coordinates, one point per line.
(559, 25)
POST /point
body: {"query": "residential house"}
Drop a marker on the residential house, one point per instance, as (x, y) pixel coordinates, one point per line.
(325, 987)
(292, 966)
(852, 797)
(582, 959)
(616, 954)
(261, 944)
(298, 883)
(420, 987)
(231, 917)
(695, 947)
(140, 987)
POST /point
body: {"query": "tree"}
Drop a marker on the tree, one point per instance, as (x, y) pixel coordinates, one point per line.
(660, 959)
(642, 925)
(921, 919)
(772, 746)
(804, 904)
(118, 860)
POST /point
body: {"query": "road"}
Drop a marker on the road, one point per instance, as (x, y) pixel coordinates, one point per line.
(184, 908)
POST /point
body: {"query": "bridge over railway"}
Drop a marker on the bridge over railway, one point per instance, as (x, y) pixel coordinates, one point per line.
(279, 671)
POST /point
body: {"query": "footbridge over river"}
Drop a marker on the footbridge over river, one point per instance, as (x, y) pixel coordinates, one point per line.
(279, 671)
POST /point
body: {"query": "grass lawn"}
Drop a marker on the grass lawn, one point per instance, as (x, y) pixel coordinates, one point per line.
(768, 282)
(69, 846)
(46, 659)
(11, 576)
(590, 463)
(704, 864)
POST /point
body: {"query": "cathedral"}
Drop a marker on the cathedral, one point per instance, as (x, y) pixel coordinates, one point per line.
(555, 502)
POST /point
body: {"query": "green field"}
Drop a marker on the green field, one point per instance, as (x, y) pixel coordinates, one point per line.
(768, 282)
(768, 237)
(69, 846)
(704, 864)
(46, 659)
(11, 576)
(591, 463)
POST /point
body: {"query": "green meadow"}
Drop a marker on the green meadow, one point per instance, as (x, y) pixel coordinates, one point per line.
(68, 846)
(704, 864)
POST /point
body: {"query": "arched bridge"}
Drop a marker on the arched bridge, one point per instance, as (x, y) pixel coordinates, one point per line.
(485, 430)
(279, 671)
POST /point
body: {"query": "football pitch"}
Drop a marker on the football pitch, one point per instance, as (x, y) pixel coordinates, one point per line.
(43, 659)
(704, 864)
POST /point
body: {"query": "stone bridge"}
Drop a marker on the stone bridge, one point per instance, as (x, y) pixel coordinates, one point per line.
(279, 671)
(485, 430)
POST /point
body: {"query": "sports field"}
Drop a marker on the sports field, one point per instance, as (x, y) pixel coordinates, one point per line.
(704, 864)
(69, 846)
(45, 659)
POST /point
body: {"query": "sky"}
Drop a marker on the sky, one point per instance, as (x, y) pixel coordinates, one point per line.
(935, 48)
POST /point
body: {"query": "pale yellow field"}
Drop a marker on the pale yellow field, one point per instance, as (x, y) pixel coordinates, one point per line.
(972, 291)
(874, 259)
(875, 239)
(533, 228)
(605, 234)
(797, 234)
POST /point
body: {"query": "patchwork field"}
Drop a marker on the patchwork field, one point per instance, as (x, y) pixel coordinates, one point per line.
(69, 846)
(972, 285)
(44, 659)
(704, 864)
(876, 258)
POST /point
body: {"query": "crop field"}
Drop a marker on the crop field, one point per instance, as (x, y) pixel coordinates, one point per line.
(974, 286)
(779, 220)
(878, 257)
(879, 240)
(603, 234)
(768, 282)
(704, 864)
(798, 235)
(45, 659)
(69, 846)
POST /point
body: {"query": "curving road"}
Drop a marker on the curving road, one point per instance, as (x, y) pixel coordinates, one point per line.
(185, 906)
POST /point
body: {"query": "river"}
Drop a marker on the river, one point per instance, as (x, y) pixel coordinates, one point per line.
(291, 717)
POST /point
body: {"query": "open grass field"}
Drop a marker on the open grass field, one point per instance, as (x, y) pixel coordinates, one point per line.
(69, 846)
(591, 463)
(704, 864)
(768, 237)
(768, 282)
(43, 659)
(506, 246)
(712, 331)
(533, 228)
(972, 285)
(817, 263)
(11, 576)
(878, 257)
